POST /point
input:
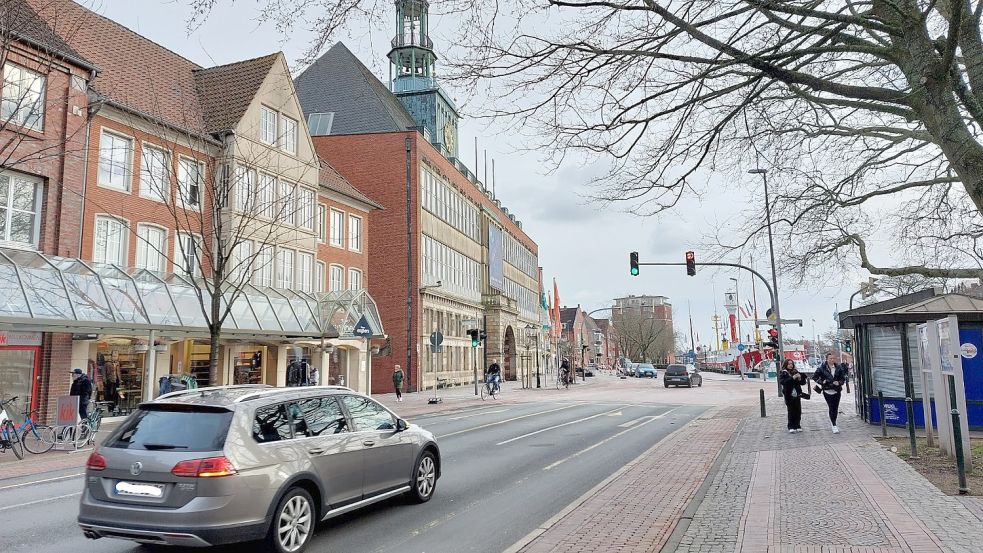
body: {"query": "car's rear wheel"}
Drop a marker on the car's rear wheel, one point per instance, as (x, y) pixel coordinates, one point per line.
(689, 384)
(293, 522)
(667, 384)
(424, 478)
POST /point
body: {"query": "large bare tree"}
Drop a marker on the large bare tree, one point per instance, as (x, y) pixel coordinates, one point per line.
(865, 112)
(642, 338)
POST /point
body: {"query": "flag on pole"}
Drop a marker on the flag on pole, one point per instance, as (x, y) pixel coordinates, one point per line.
(744, 312)
(556, 308)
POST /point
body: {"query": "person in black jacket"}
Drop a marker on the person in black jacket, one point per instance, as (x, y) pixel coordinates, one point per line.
(831, 378)
(791, 382)
(82, 387)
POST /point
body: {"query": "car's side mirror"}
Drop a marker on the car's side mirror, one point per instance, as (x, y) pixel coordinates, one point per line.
(401, 425)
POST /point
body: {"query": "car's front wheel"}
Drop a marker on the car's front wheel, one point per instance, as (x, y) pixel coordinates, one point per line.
(424, 478)
(293, 522)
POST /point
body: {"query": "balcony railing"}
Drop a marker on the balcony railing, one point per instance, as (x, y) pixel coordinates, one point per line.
(412, 40)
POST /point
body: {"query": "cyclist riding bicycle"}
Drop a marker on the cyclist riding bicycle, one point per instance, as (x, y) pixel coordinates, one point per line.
(494, 375)
(565, 370)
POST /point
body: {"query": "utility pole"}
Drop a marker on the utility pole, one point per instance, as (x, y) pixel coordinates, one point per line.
(692, 340)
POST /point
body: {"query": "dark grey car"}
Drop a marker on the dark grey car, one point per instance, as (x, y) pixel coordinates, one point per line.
(242, 463)
(678, 374)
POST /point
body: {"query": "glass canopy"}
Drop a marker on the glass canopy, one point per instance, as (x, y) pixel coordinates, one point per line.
(58, 294)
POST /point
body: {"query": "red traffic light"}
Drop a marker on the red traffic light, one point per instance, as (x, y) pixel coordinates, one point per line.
(773, 333)
(690, 263)
(690, 256)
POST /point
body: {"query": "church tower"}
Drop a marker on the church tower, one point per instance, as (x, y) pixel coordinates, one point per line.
(412, 78)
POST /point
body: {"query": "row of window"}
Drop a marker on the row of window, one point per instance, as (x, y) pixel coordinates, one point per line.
(449, 205)
(336, 226)
(277, 199)
(527, 300)
(22, 101)
(156, 172)
(520, 257)
(268, 266)
(458, 274)
(278, 130)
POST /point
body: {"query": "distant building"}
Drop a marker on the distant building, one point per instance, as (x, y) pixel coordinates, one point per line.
(645, 314)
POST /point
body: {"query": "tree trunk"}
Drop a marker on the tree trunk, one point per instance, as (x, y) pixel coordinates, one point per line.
(214, 333)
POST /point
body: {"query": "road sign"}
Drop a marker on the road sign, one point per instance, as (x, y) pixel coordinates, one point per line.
(436, 349)
(436, 338)
(363, 329)
(741, 347)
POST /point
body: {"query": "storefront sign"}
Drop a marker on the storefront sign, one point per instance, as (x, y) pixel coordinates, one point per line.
(968, 350)
(14, 338)
(67, 410)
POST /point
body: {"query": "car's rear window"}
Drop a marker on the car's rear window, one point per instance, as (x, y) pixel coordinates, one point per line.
(676, 370)
(173, 428)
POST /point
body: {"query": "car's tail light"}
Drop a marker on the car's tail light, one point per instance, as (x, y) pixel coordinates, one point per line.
(210, 467)
(95, 462)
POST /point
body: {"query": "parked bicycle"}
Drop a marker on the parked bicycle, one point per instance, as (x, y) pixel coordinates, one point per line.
(37, 438)
(83, 433)
(9, 439)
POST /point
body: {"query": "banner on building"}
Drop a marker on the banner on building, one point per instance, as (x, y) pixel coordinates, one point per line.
(14, 338)
(496, 261)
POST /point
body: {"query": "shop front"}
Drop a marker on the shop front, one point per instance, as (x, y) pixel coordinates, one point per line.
(131, 328)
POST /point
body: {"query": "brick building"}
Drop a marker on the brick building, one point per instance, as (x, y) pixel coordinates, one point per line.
(43, 122)
(444, 251)
(646, 316)
(143, 185)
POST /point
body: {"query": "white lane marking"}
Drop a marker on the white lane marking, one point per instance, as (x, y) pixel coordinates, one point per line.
(45, 500)
(613, 412)
(477, 414)
(447, 413)
(504, 421)
(606, 440)
(634, 422)
(55, 479)
(618, 414)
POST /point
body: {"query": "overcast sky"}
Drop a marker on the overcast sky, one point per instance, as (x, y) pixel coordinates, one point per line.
(583, 247)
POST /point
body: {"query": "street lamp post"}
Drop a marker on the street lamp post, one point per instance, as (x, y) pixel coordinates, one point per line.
(774, 271)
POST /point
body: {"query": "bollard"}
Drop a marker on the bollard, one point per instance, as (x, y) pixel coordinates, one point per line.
(847, 384)
(957, 435)
(880, 401)
(761, 395)
(909, 407)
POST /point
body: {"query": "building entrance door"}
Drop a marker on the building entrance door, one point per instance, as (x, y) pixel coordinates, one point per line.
(508, 355)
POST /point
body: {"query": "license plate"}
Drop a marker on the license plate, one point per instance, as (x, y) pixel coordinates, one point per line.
(139, 490)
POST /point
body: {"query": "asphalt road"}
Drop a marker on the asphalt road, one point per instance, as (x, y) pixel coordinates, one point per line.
(507, 469)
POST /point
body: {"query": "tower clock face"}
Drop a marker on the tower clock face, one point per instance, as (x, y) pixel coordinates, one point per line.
(449, 136)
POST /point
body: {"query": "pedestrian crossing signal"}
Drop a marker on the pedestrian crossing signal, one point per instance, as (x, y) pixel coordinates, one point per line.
(633, 262)
(475, 340)
(691, 263)
(848, 346)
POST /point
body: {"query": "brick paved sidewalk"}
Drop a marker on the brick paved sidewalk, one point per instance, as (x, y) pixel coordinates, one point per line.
(631, 511)
(820, 492)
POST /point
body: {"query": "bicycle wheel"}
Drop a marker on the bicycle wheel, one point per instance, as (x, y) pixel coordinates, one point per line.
(38, 439)
(9, 433)
(95, 419)
(82, 434)
(484, 391)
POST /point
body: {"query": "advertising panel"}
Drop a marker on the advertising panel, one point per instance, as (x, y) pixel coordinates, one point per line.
(496, 259)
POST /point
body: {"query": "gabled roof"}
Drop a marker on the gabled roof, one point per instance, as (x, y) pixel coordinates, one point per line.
(226, 91)
(333, 180)
(568, 316)
(19, 19)
(136, 73)
(338, 82)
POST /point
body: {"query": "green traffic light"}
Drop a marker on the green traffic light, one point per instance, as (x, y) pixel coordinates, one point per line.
(474, 343)
(634, 271)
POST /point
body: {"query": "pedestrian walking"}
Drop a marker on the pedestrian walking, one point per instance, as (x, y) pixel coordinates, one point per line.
(398, 382)
(829, 378)
(791, 382)
(81, 387)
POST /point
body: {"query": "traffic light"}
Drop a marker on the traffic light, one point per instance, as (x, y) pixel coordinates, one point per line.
(772, 341)
(848, 346)
(633, 262)
(690, 263)
(475, 337)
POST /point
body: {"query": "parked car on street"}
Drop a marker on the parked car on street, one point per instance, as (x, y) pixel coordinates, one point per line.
(242, 463)
(678, 374)
(646, 370)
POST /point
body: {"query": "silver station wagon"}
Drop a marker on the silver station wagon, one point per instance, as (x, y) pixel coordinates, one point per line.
(243, 463)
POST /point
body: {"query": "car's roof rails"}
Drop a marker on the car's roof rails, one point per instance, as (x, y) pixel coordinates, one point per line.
(191, 391)
(271, 390)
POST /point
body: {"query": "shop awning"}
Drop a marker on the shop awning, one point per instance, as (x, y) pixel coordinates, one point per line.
(57, 294)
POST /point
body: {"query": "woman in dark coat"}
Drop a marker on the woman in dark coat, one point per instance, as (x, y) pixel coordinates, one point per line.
(791, 382)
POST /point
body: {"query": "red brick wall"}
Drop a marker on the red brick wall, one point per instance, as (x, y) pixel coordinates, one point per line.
(376, 165)
(343, 256)
(132, 207)
(56, 361)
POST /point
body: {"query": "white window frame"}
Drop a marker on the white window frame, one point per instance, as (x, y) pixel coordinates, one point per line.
(265, 263)
(286, 202)
(285, 263)
(185, 262)
(304, 279)
(245, 187)
(337, 236)
(7, 206)
(320, 275)
(155, 187)
(183, 194)
(288, 133)
(266, 195)
(121, 250)
(268, 125)
(336, 284)
(112, 169)
(146, 253)
(22, 103)
(354, 233)
(322, 222)
(241, 260)
(355, 277)
(306, 200)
